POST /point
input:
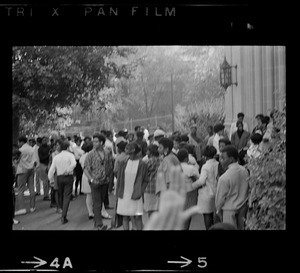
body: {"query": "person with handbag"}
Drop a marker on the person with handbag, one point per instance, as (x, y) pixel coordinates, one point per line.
(97, 167)
(207, 186)
(132, 180)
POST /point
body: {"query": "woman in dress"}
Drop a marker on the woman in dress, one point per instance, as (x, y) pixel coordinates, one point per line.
(207, 186)
(132, 180)
(150, 198)
(86, 188)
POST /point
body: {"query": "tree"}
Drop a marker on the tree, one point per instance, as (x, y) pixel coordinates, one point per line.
(45, 78)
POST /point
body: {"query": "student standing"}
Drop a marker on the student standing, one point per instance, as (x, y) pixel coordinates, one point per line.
(191, 174)
(25, 175)
(232, 189)
(207, 186)
(132, 180)
(44, 156)
(86, 188)
(150, 198)
(97, 167)
(63, 164)
(233, 128)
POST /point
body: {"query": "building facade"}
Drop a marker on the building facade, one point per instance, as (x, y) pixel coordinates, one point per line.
(261, 81)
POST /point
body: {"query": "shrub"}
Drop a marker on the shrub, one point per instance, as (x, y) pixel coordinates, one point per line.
(268, 182)
(203, 114)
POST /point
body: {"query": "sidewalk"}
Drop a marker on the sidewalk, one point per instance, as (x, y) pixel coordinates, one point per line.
(46, 218)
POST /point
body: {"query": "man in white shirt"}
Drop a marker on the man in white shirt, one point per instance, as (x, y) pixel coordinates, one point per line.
(25, 175)
(219, 134)
(232, 189)
(233, 128)
(63, 164)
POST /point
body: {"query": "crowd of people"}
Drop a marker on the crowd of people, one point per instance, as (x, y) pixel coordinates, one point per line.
(138, 169)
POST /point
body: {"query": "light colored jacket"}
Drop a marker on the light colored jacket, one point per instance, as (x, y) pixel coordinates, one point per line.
(208, 183)
(232, 189)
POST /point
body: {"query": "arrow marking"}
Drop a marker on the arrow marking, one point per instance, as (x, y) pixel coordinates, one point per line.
(185, 263)
(40, 262)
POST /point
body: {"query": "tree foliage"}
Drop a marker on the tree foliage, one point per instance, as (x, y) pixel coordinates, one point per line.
(268, 181)
(49, 78)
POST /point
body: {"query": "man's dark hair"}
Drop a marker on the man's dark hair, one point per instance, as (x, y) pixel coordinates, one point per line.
(153, 150)
(86, 147)
(39, 140)
(210, 151)
(140, 134)
(182, 154)
(136, 128)
(100, 137)
(22, 139)
(231, 151)
(225, 140)
(184, 138)
(64, 145)
(256, 138)
(166, 143)
(240, 115)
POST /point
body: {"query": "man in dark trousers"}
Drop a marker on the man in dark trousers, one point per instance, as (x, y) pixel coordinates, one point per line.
(44, 157)
(63, 164)
(98, 167)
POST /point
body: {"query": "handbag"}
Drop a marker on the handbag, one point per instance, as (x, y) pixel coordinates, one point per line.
(117, 219)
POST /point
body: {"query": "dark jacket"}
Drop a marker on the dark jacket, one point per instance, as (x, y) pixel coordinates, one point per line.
(44, 154)
(140, 183)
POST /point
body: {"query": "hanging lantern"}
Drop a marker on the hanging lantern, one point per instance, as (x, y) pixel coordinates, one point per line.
(225, 74)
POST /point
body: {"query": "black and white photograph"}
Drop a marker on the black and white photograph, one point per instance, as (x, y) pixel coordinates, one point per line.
(139, 129)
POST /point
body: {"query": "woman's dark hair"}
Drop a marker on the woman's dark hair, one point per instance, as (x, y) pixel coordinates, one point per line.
(182, 155)
(259, 116)
(210, 151)
(240, 115)
(166, 143)
(135, 146)
(87, 137)
(100, 137)
(256, 138)
(22, 139)
(86, 147)
(231, 151)
(153, 150)
(121, 145)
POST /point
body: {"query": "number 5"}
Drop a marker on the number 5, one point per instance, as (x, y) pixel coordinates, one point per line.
(202, 263)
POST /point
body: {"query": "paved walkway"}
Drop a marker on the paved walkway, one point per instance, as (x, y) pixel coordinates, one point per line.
(46, 218)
